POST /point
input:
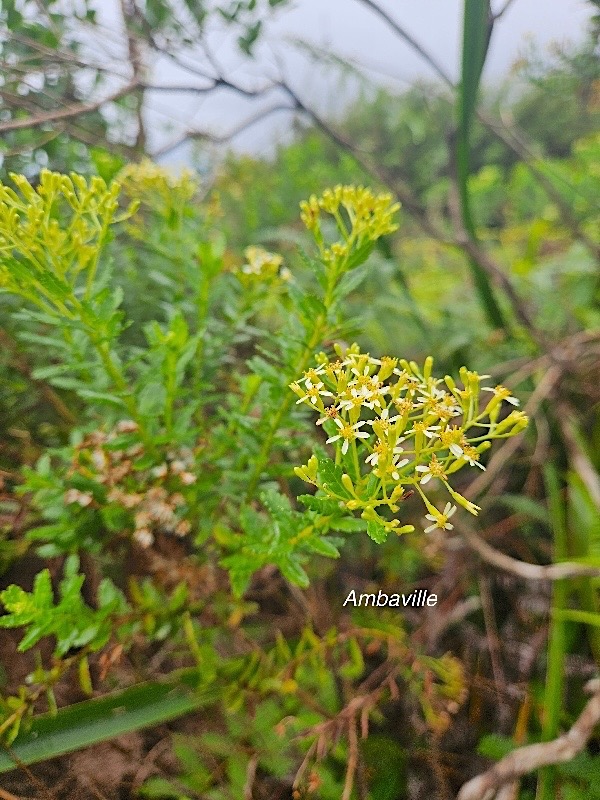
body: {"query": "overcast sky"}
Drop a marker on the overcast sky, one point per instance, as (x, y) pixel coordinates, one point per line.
(349, 29)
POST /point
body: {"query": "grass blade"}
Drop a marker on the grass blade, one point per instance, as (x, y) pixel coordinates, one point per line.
(102, 718)
(476, 35)
(557, 639)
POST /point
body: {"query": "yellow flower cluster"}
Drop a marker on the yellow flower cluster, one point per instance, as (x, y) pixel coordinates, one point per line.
(157, 187)
(263, 266)
(361, 218)
(391, 420)
(30, 231)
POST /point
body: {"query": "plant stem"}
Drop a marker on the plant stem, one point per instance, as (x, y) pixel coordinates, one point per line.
(319, 330)
(557, 646)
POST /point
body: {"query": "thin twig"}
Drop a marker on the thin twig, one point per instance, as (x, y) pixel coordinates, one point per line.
(74, 110)
(352, 758)
(533, 757)
(536, 572)
(493, 639)
(4, 795)
(250, 777)
(410, 41)
(543, 390)
(226, 137)
(579, 458)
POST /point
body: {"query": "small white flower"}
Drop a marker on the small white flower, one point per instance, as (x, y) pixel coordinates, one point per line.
(380, 449)
(348, 433)
(471, 461)
(429, 432)
(330, 413)
(435, 469)
(456, 450)
(354, 401)
(397, 465)
(441, 520)
(427, 474)
(502, 392)
(311, 376)
(431, 393)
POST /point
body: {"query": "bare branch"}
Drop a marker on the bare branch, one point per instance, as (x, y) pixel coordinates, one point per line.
(533, 757)
(543, 390)
(250, 777)
(502, 11)
(410, 41)
(535, 572)
(74, 110)
(579, 458)
(226, 137)
(216, 83)
(352, 758)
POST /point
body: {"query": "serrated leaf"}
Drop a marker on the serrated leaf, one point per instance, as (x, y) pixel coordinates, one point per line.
(99, 397)
(151, 399)
(376, 531)
(351, 281)
(348, 525)
(330, 476)
(293, 572)
(325, 505)
(323, 547)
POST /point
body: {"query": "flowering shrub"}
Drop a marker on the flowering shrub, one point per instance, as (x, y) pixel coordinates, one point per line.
(192, 375)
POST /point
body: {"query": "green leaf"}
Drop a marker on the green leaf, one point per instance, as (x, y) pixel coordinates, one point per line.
(476, 32)
(294, 573)
(100, 397)
(330, 476)
(576, 615)
(151, 399)
(376, 531)
(525, 505)
(385, 762)
(351, 281)
(324, 505)
(162, 789)
(495, 746)
(92, 721)
(348, 525)
(323, 547)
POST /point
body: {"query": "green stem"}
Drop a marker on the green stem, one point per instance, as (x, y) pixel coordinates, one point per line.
(319, 330)
(355, 460)
(557, 645)
(120, 384)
